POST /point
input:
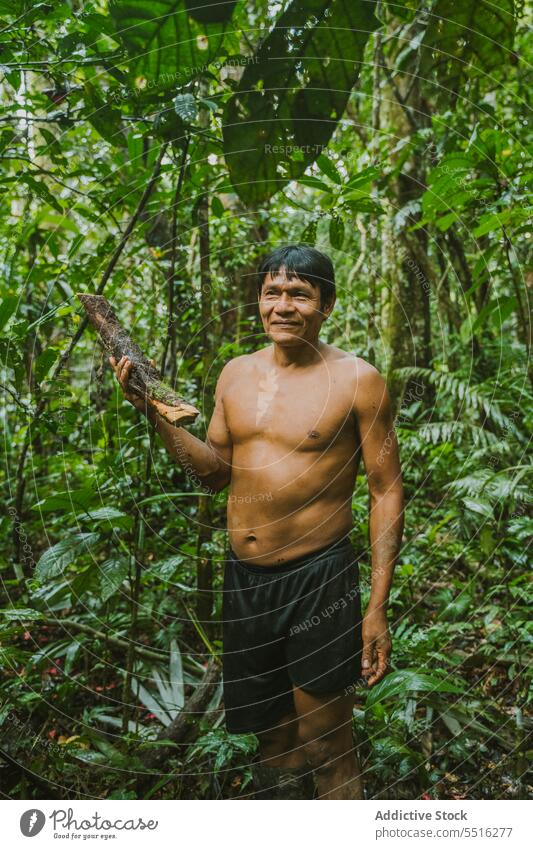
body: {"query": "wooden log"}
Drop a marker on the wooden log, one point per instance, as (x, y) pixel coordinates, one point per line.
(145, 379)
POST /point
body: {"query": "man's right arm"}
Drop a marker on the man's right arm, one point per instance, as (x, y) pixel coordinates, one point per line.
(209, 461)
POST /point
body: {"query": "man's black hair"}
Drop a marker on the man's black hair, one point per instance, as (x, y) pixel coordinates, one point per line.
(304, 262)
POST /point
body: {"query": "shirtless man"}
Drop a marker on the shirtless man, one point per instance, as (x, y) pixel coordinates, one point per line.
(290, 424)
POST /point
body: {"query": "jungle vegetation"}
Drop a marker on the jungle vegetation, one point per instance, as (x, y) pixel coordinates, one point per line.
(152, 151)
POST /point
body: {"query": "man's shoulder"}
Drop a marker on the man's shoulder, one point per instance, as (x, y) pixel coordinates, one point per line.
(242, 361)
(360, 368)
(234, 368)
(364, 381)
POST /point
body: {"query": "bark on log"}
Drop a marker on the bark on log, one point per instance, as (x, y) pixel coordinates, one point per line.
(145, 379)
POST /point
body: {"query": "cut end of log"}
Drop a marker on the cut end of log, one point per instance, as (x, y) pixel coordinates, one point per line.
(184, 414)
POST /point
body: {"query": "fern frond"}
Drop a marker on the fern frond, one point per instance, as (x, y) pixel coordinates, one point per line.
(498, 486)
(472, 397)
(457, 432)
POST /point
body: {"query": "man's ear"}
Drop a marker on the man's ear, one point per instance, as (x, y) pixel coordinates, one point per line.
(327, 309)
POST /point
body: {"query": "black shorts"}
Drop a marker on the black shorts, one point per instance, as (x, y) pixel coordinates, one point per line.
(295, 625)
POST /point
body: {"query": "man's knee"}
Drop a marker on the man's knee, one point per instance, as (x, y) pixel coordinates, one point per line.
(323, 747)
(272, 740)
(281, 738)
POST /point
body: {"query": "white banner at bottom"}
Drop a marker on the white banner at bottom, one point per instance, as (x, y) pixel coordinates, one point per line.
(262, 824)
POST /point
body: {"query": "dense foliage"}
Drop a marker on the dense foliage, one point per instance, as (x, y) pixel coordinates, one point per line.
(153, 151)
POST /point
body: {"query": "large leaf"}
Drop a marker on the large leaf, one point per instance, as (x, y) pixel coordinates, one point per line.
(20, 614)
(7, 308)
(165, 44)
(150, 702)
(60, 555)
(68, 500)
(170, 698)
(115, 517)
(210, 11)
(408, 680)
(468, 37)
(112, 574)
(165, 569)
(176, 674)
(44, 362)
(291, 97)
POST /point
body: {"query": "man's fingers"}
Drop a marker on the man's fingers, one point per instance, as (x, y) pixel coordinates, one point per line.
(124, 371)
(381, 667)
(377, 675)
(367, 660)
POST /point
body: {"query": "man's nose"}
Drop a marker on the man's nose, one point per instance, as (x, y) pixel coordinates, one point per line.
(284, 303)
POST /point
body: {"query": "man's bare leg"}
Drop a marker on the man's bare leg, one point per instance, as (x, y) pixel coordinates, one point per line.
(282, 771)
(281, 746)
(325, 730)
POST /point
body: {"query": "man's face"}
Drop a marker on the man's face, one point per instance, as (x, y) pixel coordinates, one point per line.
(290, 309)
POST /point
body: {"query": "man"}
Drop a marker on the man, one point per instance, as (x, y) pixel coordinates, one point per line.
(290, 424)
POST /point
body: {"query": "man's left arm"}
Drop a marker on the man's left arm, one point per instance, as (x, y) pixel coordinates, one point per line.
(379, 447)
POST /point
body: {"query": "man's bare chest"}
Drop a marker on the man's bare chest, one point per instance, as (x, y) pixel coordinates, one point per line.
(308, 413)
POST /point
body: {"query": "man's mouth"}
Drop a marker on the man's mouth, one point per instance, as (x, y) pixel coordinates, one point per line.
(284, 324)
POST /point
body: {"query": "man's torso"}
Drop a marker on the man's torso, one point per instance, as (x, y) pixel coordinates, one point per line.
(295, 455)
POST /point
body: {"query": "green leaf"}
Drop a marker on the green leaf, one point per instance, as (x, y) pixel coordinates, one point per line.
(290, 99)
(39, 188)
(64, 552)
(500, 308)
(176, 675)
(456, 608)
(7, 308)
(367, 175)
(473, 36)
(22, 614)
(479, 506)
(336, 232)
(314, 183)
(164, 496)
(165, 569)
(211, 11)
(406, 680)
(67, 501)
(445, 221)
(308, 236)
(328, 168)
(106, 514)
(186, 107)
(166, 46)
(150, 702)
(217, 207)
(112, 575)
(495, 220)
(44, 363)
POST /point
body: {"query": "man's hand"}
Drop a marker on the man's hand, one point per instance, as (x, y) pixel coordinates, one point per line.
(122, 372)
(376, 647)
